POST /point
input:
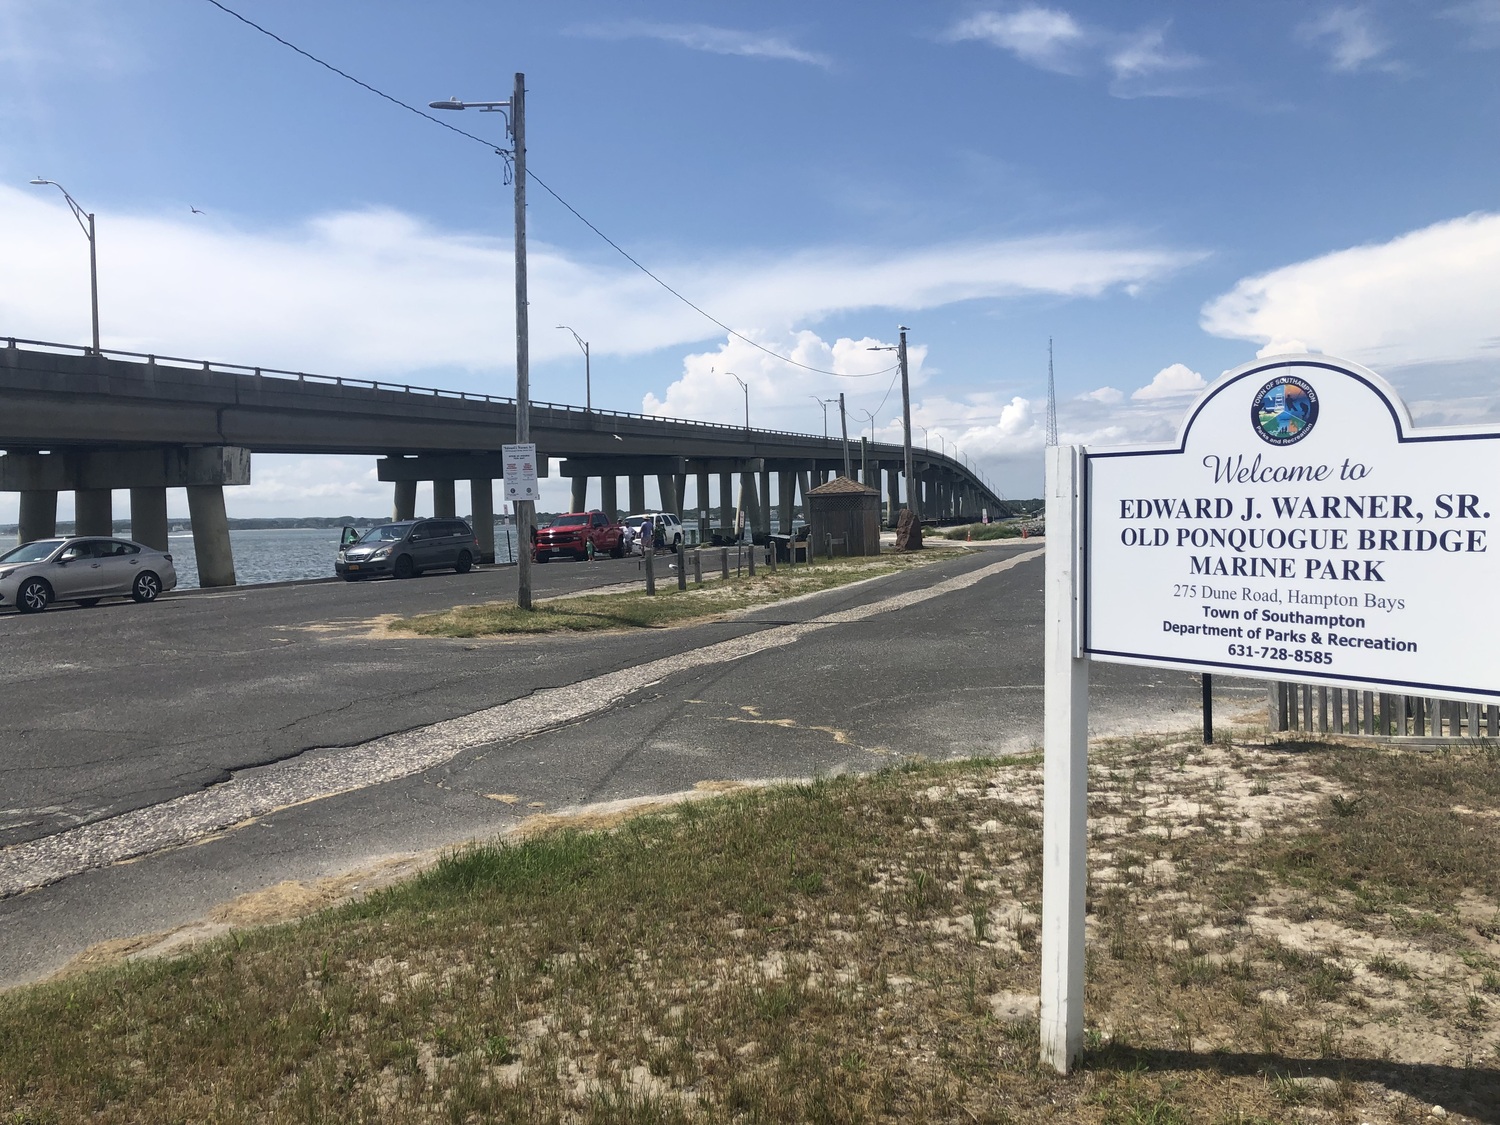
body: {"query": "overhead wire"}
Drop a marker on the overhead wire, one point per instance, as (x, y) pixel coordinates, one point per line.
(507, 155)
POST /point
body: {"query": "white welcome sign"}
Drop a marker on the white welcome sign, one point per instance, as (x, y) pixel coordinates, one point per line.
(1298, 528)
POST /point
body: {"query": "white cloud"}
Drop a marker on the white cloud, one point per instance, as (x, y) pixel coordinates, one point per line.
(706, 37)
(1351, 38)
(1052, 39)
(1107, 395)
(781, 396)
(1428, 296)
(380, 294)
(1481, 17)
(1170, 382)
(1043, 37)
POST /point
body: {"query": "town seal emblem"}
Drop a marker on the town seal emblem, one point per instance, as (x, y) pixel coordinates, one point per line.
(1285, 410)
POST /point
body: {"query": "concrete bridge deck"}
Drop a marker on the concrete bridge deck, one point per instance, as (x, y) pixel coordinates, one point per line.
(92, 423)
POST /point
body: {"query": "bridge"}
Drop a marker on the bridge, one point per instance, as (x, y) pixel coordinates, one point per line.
(90, 423)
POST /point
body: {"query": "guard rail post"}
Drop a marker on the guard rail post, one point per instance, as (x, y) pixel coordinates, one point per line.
(681, 566)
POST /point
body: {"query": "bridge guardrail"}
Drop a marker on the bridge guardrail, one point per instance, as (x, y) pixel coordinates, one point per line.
(437, 392)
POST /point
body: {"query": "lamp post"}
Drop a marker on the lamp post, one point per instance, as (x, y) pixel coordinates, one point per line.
(85, 221)
(516, 125)
(864, 450)
(744, 386)
(911, 492)
(824, 403)
(588, 383)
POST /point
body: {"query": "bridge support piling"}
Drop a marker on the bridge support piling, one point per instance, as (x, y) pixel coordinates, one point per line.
(38, 514)
(763, 495)
(444, 503)
(786, 484)
(580, 497)
(726, 503)
(679, 493)
(609, 499)
(405, 505)
(482, 505)
(148, 517)
(211, 535)
(666, 488)
(892, 496)
(751, 502)
(703, 502)
(637, 494)
(92, 512)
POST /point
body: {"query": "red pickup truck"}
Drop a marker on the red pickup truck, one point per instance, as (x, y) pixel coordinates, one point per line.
(572, 533)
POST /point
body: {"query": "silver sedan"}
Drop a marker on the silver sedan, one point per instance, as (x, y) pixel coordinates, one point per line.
(82, 569)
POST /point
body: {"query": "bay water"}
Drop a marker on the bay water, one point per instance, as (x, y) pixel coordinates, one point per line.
(285, 554)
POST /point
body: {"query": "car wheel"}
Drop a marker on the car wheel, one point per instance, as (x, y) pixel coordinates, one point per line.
(404, 567)
(465, 561)
(351, 578)
(617, 551)
(88, 603)
(33, 596)
(581, 556)
(541, 558)
(146, 587)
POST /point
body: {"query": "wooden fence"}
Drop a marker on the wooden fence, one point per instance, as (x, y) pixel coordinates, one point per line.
(1331, 710)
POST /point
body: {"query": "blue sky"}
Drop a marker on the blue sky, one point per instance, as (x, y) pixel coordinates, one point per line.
(1165, 189)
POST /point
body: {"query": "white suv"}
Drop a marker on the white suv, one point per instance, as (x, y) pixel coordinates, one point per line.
(668, 529)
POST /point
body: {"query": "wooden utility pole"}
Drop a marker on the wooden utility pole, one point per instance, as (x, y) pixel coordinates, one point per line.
(525, 509)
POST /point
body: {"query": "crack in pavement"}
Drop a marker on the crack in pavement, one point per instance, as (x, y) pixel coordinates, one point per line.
(329, 772)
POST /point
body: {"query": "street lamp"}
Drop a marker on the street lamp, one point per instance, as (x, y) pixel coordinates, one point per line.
(744, 386)
(588, 392)
(516, 126)
(825, 403)
(911, 493)
(88, 230)
(864, 451)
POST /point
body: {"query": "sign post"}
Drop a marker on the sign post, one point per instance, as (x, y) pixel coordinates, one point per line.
(1299, 528)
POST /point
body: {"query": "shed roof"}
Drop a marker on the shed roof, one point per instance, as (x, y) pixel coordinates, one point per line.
(843, 486)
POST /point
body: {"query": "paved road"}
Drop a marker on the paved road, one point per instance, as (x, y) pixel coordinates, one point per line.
(210, 719)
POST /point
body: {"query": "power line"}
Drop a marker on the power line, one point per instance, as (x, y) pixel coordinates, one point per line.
(351, 78)
(530, 175)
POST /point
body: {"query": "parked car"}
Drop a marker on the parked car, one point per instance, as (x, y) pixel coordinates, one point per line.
(82, 569)
(571, 534)
(667, 528)
(407, 548)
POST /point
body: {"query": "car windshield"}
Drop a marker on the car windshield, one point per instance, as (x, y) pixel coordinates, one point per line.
(570, 521)
(31, 552)
(385, 533)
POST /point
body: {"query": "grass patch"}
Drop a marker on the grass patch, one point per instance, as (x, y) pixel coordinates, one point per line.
(986, 531)
(852, 950)
(669, 606)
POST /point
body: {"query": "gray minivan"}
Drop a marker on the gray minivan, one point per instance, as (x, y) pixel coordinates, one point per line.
(407, 548)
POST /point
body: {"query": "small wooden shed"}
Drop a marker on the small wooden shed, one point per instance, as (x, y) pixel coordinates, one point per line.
(843, 517)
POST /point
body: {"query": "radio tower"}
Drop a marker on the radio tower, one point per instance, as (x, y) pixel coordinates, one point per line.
(1051, 399)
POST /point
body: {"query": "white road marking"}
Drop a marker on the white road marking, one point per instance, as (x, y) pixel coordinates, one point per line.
(322, 773)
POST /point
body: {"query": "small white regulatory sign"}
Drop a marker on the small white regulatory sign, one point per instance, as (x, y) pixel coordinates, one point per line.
(520, 471)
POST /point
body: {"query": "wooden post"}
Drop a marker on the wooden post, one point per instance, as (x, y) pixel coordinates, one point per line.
(698, 566)
(1065, 771)
(723, 562)
(1208, 709)
(681, 566)
(648, 556)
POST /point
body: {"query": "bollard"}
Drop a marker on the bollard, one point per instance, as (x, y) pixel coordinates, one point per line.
(649, 558)
(698, 566)
(724, 562)
(681, 566)
(771, 554)
(750, 559)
